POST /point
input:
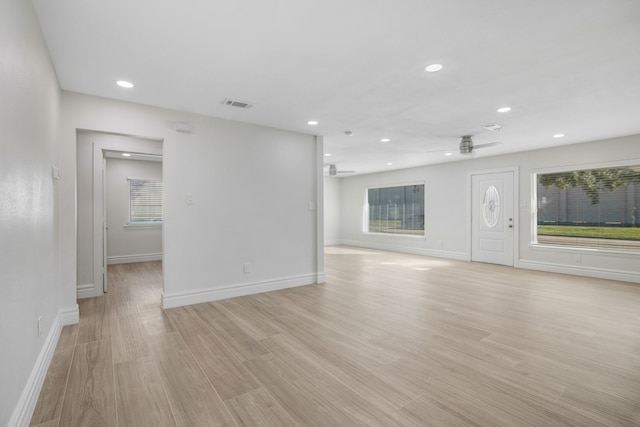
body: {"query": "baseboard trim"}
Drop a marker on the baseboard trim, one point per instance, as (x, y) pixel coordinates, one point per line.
(126, 259)
(85, 291)
(461, 256)
(70, 315)
(599, 273)
(213, 294)
(29, 397)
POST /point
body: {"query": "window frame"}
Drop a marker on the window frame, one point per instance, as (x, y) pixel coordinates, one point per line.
(572, 248)
(134, 224)
(365, 210)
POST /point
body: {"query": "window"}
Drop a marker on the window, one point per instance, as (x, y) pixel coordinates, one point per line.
(395, 210)
(589, 208)
(145, 201)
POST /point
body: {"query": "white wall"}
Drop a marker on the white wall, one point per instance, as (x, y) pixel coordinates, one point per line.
(251, 188)
(29, 272)
(331, 210)
(447, 218)
(85, 213)
(132, 243)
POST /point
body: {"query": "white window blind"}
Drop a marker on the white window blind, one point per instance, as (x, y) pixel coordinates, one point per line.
(590, 208)
(145, 201)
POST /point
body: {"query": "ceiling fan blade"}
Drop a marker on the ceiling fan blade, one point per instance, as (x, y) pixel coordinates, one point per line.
(452, 150)
(333, 170)
(488, 144)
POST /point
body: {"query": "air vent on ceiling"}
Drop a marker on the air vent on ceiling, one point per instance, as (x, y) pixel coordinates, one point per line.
(232, 103)
(493, 127)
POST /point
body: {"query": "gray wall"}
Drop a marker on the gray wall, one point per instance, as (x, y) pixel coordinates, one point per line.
(29, 272)
(331, 210)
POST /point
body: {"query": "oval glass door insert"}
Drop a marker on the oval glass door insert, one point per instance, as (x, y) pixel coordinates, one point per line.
(491, 207)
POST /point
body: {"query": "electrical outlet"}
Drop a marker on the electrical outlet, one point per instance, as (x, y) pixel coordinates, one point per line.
(39, 326)
(578, 259)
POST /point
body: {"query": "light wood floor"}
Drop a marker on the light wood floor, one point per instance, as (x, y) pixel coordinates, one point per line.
(389, 340)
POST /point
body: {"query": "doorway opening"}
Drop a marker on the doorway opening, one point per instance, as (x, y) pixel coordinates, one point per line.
(106, 164)
(133, 209)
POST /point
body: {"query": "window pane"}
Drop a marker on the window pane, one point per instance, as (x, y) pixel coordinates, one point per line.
(396, 210)
(590, 208)
(145, 200)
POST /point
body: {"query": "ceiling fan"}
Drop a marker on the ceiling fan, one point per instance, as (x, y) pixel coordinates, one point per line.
(333, 170)
(468, 147)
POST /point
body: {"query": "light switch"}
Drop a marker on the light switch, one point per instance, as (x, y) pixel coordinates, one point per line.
(189, 199)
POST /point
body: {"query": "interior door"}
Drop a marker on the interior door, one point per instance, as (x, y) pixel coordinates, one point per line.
(492, 226)
(104, 225)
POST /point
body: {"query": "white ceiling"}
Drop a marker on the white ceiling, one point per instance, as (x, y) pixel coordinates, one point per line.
(563, 66)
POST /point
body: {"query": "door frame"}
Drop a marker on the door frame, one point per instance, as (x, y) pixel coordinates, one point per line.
(100, 144)
(517, 204)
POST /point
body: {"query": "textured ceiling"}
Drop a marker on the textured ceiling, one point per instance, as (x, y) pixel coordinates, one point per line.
(570, 66)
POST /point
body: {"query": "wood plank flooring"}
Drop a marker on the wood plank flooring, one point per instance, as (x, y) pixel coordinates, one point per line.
(390, 340)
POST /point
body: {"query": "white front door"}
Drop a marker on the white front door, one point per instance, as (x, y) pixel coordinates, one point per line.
(492, 218)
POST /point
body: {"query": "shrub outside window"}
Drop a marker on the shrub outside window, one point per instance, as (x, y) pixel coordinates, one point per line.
(395, 210)
(596, 208)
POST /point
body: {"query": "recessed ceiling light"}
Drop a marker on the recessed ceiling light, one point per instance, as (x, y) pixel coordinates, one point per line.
(312, 122)
(385, 140)
(448, 154)
(126, 155)
(389, 164)
(124, 84)
(558, 135)
(504, 109)
(327, 155)
(432, 68)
